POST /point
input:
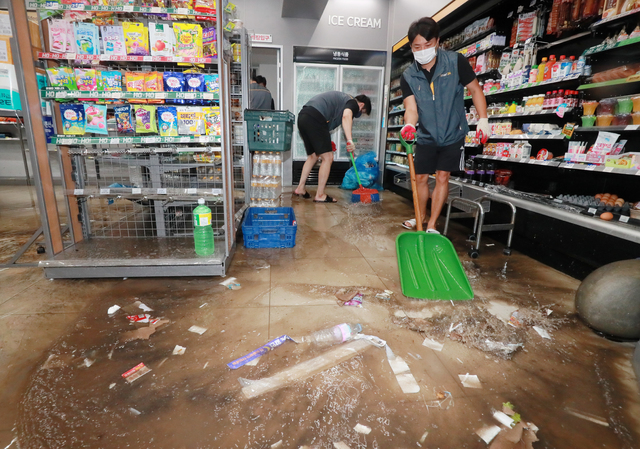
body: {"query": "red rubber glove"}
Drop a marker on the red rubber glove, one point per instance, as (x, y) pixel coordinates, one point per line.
(350, 146)
(483, 131)
(408, 132)
(333, 146)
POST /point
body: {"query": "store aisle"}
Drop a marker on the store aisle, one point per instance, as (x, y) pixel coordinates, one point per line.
(66, 356)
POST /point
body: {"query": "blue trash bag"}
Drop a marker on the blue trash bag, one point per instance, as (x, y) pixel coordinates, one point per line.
(367, 169)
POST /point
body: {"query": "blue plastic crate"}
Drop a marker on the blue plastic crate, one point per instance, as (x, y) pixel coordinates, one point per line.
(271, 235)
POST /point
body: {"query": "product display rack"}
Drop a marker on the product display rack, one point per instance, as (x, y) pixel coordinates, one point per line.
(549, 177)
(130, 198)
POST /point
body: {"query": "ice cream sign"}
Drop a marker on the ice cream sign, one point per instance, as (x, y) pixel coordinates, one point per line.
(357, 22)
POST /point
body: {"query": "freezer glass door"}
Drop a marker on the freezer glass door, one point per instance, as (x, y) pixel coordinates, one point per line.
(311, 80)
(366, 129)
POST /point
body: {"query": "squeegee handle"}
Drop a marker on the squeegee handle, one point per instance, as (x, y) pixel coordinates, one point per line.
(354, 167)
(414, 185)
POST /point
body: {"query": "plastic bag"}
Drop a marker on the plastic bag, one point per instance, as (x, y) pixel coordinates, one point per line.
(367, 169)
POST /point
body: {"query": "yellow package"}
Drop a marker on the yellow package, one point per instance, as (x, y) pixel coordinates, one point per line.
(188, 40)
(135, 82)
(212, 120)
(136, 38)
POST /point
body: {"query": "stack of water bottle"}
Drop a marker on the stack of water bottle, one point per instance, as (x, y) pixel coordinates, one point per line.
(266, 182)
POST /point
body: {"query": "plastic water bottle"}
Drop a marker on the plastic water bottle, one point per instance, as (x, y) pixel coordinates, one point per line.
(256, 164)
(336, 334)
(202, 230)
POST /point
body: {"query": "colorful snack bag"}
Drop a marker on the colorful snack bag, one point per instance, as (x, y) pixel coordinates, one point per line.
(174, 82)
(163, 39)
(62, 77)
(194, 82)
(190, 121)
(212, 120)
(145, 119)
(113, 40)
(205, 6)
(153, 82)
(188, 40)
(134, 81)
(111, 81)
(209, 42)
(124, 119)
(58, 34)
(168, 120)
(73, 122)
(96, 119)
(102, 19)
(87, 79)
(212, 83)
(87, 40)
(136, 37)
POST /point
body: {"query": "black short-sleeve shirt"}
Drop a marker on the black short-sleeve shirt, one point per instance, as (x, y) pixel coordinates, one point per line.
(465, 74)
(353, 105)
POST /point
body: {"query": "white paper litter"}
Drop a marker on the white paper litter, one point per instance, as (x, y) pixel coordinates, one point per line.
(340, 445)
(470, 380)
(432, 344)
(362, 429)
(405, 379)
(276, 445)
(254, 362)
(112, 385)
(88, 362)
(408, 383)
(179, 350)
(231, 283)
(197, 330)
(143, 307)
(113, 309)
(399, 366)
(488, 433)
(424, 436)
(503, 418)
(542, 332)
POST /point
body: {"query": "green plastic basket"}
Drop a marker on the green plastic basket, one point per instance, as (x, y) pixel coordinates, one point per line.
(269, 130)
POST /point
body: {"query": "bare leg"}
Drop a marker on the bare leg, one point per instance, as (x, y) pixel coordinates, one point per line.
(323, 175)
(440, 194)
(423, 195)
(306, 169)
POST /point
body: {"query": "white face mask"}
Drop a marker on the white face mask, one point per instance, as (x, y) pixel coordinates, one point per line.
(425, 56)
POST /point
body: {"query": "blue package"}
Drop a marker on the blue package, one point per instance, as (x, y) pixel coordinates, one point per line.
(212, 84)
(174, 82)
(194, 82)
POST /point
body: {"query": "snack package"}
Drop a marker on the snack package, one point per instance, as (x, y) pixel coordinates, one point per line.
(168, 120)
(102, 19)
(153, 82)
(190, 121)
(87, 40)
(194, 82)
(163, 39)
(145, 119)
(212, 83)
(87, 79)
(96, 117)
(111, 81)
(209, 42)
(189, 4)
(174, 82)
(73, 122)
(212, 120)
(205, 6)
(113, 40)
(124, 119)
(188, 40)
(58, 35)
(136, 37)
(62, 77)
(134, 81)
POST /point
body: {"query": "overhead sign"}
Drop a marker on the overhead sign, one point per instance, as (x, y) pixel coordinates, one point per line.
(261, 38)
(339, 56)
(357, 22)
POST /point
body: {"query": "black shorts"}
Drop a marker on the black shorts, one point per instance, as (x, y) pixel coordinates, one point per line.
(429, 158)
(314, 131)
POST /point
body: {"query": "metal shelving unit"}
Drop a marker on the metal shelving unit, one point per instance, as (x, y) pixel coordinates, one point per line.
(130, 199)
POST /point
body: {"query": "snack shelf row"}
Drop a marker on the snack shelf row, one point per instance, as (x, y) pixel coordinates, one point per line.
(56, 6)
(94, 59)
(52, 93)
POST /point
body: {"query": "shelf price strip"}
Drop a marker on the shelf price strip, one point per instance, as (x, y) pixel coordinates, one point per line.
(66, 140)
(57, 94)
(55, 6)
(122, 58)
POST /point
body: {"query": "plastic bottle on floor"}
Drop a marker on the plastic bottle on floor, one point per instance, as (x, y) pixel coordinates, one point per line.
(202, 230)
(336, 334)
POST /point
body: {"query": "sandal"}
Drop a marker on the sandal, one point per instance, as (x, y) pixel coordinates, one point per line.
(432, 231)
(304, 195)
(328, 199)
(409, 224)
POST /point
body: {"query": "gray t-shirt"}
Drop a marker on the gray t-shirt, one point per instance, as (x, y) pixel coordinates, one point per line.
(332, 105)
(260, 97)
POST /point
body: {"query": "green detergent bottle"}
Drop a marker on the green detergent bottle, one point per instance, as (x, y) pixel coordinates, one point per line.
(202, 230)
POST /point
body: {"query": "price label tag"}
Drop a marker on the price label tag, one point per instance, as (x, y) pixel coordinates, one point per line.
(161, 95)
(190, 95)
(78, 192)
(474, 182)
(185, 139)
(191, 191)
(128, 9)
(631, 127)
(207, 96)
(532, 161)
(504, 158)
(638, 173)
(155, 9)
(608, 169)
(136, 191)
(533, 2)
(117, 95)
(147, 58)
(556, 200)
(71, 56)
(51, 5)
(148, 140)
(590, 168)
(592, 210)
(162, 191)
(105, 191)
(465, 180)
(216, 191)
(184, 11)
(624, 219)
(510, 15)
(203, 139)
(114, 141)
(481, 184)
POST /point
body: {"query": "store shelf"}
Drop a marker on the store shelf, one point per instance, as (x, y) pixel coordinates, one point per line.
(615, 129)
(393, 100)
(617, 46)
(395, 127)
(399, 153)
(59, 94)
(118, 58)
(145, 193)
(520, 160)
(490, 72)
(630, 80)
(527, 137)
(397, 167)
(531, 86)
(564, 41)
(523, 114)
(397, 112)
(473, 39)
(609, 21)
(472, 145)
(485, 50)
(600, 168)
(392, 139)
(55, 6)
(70, 140)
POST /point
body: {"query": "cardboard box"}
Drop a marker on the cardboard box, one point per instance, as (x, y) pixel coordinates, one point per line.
(627, 160)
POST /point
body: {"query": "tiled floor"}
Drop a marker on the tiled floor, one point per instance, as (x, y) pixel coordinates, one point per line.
(194, 400)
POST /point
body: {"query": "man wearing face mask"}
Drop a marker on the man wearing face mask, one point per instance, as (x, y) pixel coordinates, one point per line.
(433, 97)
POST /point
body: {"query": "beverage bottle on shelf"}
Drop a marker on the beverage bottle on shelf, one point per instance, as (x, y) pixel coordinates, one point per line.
(548, 68)
(533, 74)
(553, 100)
(556, 68)
(490, 173)
(202, 230)
(513, 108)
(560, 98)
(580, 65)
(256, 164)
(480, 173)
(568, 66)
(336, 334)
(541, 68)
(277, 167)
(469, 169)
(547, 97)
